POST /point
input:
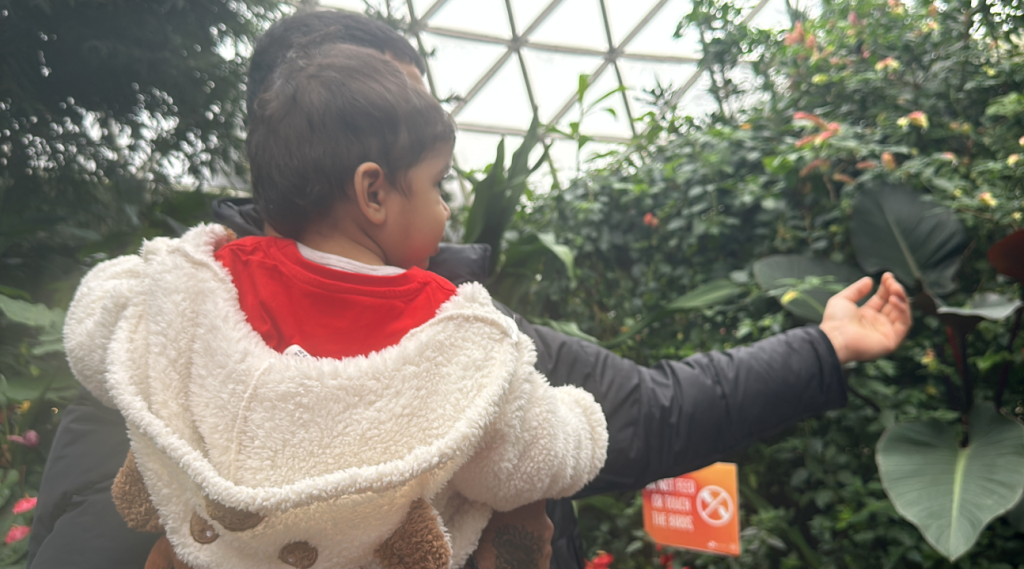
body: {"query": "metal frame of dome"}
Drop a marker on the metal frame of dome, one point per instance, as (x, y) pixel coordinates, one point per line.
(518, 40)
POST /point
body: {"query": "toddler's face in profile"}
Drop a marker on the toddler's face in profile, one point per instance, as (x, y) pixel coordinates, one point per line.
(416, 226)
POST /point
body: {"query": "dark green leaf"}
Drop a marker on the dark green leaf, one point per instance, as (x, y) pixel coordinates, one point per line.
(785, 273)
(982, 306)
(567, 328)
(897, 229)
(951, 493)
(705, 295)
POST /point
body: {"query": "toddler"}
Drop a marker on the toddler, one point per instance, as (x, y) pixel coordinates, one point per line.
(318, 399)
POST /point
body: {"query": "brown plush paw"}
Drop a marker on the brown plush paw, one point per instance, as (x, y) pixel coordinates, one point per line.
(132, 498)
(419, 543)
(162, 556)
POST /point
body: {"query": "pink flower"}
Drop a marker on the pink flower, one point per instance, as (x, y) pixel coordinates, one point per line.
(853, 19)
(650, 220)
(17, 533)
(31, 439)
(24, 505)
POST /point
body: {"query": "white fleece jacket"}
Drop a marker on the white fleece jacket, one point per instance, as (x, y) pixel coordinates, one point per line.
(331, 452)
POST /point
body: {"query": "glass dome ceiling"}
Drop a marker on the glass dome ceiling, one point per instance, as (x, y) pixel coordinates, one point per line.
(494, 61)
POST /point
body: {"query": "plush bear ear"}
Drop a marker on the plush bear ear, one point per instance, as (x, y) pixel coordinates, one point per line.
(419, 543)
(162, 556)
(132, 499)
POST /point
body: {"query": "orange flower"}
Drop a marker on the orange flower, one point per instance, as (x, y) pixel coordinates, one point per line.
(650, 220)
(843, 178)
(916, 118)
(867, 165)
(889, 161)
(887, 64)
(796, 35)
(815, 165)
(805, 116)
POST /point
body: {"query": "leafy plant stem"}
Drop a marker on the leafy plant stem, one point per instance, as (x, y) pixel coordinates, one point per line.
(792, 534)
(1005, 375)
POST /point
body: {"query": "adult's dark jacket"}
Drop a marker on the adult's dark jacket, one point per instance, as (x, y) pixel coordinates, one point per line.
(663, 421)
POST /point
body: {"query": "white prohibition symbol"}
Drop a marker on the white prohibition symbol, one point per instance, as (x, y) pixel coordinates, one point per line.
(715, 506)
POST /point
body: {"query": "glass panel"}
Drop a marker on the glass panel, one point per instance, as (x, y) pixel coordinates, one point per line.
(486, 17)
(697, 101)
(575, 23)
(474, 150)
(554, 77)
(502, 102)
(458, 64)
(421, 6)
(624, 15)
(350, 5)
(526, 11)
(657, 37)
(640, 75)
(773, 16)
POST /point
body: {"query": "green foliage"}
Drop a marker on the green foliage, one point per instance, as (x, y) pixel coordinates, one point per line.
(951, 492)
(113, 115)
(912, 112)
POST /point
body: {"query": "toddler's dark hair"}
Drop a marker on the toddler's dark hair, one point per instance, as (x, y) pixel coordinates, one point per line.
(309, 30)
(323, 113)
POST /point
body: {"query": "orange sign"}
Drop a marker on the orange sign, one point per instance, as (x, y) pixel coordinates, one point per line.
(699, 510)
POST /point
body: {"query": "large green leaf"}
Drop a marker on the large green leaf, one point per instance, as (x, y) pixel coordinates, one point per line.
(707, 294)
(567, 328)
(496, 197)
(951, 492)
(1016, 516)
(897, 229)
(982, 306)
(804, 283)
(30, 314)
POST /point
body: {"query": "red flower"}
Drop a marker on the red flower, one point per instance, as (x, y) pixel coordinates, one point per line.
(650, 220)
(665, 560)
(24, 505)
(17, 533)
(602, 560)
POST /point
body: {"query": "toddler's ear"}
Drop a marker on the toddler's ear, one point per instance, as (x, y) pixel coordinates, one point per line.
(370, 187)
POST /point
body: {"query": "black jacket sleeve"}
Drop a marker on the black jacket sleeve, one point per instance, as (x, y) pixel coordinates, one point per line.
(76, 523)
(680, 416)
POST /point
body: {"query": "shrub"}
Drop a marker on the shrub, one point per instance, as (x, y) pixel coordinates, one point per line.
(866, 101)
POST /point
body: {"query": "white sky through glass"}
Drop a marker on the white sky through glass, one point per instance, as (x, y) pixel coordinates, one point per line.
(495, 60)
